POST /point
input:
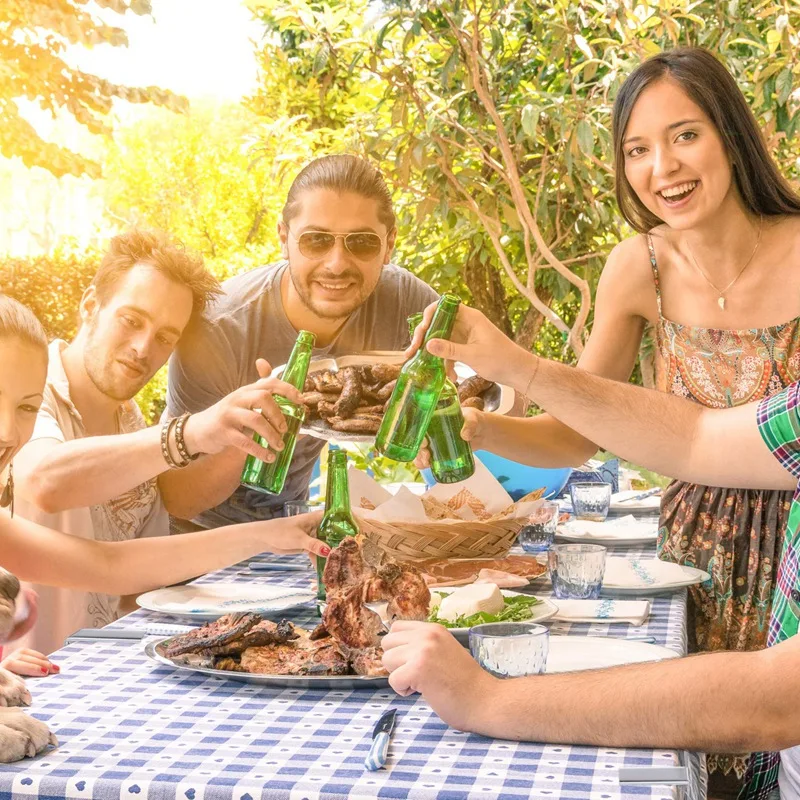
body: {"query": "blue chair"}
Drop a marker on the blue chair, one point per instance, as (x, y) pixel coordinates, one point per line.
(518, 479)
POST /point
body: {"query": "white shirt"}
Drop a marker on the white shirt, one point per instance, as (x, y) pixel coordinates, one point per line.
(789, 774)
(134, 514)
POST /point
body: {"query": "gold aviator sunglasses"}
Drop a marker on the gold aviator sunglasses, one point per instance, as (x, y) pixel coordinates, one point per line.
(364, 245)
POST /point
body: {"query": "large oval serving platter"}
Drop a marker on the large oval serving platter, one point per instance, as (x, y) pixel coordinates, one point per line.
(152, 651)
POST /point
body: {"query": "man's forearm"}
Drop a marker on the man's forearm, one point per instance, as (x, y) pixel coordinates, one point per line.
(202, 485)
(721, 702)
(540, 441)
(672, 435)
(89, 471)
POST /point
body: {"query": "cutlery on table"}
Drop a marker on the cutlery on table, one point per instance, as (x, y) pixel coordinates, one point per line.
(382, 733)
(642, 496)
(123, 634)
(646, 776)
(271, 566)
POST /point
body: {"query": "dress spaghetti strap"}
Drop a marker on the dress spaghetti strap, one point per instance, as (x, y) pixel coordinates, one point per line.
(654, 265)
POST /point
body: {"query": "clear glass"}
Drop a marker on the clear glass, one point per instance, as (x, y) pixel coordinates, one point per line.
(537, 534)
(590, 500)
(510, 649)
(295, 507)
(577, 570)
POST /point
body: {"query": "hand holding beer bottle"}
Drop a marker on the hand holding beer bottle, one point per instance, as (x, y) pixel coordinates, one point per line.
(270, 476)
(416, 392)
(451, 455)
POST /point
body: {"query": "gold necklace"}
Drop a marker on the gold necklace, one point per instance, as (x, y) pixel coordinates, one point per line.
(721, 292)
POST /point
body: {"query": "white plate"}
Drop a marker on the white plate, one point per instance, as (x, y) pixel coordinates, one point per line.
(611, 532)
(647, 576)
(499, 398)
(572, 653)
(546, 609)
(651, 503)
(206, 602)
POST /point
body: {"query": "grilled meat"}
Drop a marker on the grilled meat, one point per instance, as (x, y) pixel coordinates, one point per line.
(349, 622)
(368, 662)
(360, 423)
(220, 632)
(264, 633)
(351, 392)
(474, 402)
(472, 387)
(345, 567)
(386, 392)
(303, 657)
(383, 373)
(320, 632)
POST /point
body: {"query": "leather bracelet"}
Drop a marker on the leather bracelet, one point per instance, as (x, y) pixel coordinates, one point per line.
(165, 431)
(180, 442)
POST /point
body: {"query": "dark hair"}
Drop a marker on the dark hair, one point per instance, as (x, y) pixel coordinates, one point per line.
(343, 173)
(706, 81)
(157, 250)
(19, 322)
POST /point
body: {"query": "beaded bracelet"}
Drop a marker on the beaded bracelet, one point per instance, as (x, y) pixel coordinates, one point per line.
(180, 442)
(166, 428)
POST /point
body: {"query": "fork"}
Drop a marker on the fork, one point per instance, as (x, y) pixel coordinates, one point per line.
(379, 608)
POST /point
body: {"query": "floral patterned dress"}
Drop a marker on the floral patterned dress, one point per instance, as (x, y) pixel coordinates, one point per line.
(733, 534)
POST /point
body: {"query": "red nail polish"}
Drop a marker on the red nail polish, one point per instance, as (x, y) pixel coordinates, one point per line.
(56, 668)
(326, 551)
(45, 671)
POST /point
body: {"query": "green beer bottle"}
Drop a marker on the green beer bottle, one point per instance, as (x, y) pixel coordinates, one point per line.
(451, 456)
(416, 392)
(338, 520)
(269, 477)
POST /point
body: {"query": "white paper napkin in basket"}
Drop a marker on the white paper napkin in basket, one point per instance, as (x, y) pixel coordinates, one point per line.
(634, 612)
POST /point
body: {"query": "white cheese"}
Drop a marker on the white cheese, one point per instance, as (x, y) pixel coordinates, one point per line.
(469, 600)
(436, 601)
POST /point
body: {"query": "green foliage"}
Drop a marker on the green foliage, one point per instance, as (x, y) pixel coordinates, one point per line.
(196, 177)
(493, 122)
(51, 286)
(34, 38)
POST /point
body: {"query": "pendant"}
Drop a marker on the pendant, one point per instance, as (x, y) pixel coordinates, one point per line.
(721, 302)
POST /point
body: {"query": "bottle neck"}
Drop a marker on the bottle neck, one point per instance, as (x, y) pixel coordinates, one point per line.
(297, 367)
(337, 493)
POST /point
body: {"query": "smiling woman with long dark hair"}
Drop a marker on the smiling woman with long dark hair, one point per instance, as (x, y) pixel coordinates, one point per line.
(714, 270)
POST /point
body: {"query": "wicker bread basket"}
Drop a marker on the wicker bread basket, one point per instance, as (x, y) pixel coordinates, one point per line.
(415, 541)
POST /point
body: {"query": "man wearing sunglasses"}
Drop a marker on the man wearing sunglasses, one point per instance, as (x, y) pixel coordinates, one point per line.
(337, 234)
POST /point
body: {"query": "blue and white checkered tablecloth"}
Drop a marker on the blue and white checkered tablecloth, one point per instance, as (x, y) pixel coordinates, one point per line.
(131, 728)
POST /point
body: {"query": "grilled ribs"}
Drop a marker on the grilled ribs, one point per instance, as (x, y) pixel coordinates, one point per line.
(220, 632)
(264, 633)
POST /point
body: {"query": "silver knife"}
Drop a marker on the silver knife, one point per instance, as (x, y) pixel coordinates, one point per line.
(648, 493)
(379, 750)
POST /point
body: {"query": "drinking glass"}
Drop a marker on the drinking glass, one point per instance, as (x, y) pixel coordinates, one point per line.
(510, 649)
(590, 500)
(537, 534)
(294, 507)
(576, 570)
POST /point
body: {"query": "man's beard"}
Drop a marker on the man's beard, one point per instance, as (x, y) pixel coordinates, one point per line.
(342, 309)
(99, 367)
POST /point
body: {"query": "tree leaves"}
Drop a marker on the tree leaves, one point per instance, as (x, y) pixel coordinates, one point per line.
(33, 39)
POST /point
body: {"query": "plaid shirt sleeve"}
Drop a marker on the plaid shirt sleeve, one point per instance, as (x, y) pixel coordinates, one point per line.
(779, 425)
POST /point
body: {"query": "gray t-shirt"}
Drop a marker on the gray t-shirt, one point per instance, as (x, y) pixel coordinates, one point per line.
(217, 355)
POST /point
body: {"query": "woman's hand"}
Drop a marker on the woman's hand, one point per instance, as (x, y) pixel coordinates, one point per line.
(476, 342)
(294, 535)
(29, 662)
